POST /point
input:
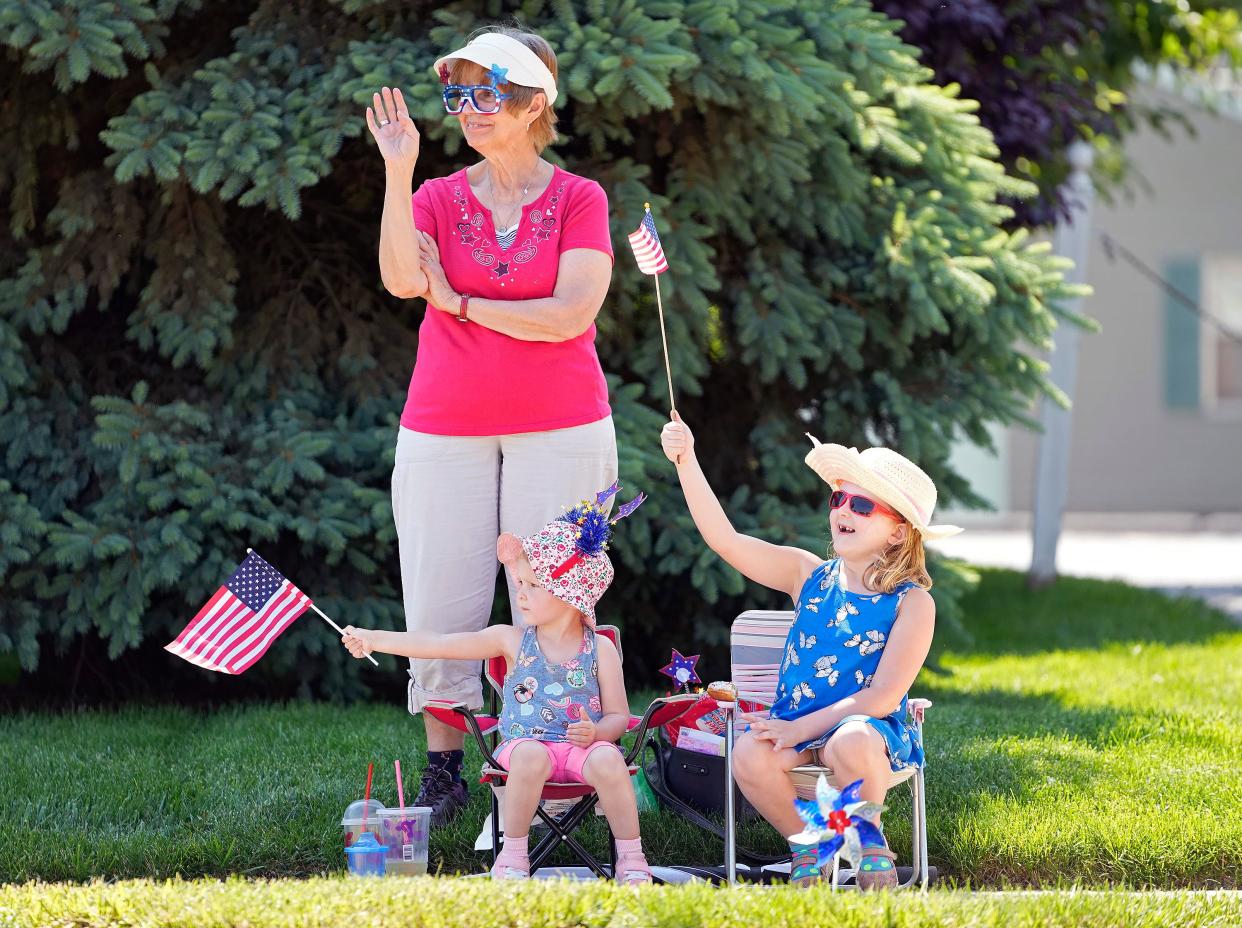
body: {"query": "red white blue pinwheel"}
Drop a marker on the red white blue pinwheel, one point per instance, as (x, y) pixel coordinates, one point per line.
(838, 822)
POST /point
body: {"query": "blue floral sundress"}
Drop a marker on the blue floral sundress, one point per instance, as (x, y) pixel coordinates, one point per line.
(833, 649)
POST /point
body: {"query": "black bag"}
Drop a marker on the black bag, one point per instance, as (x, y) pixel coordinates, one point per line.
(691, 784)
(698, 779)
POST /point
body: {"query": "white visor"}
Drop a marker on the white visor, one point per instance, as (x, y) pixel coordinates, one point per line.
(493, 49)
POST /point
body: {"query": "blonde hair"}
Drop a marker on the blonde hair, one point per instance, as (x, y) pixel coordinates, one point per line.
(543, 129)
(904, 562)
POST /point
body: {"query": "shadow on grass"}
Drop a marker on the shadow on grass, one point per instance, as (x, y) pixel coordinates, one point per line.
(1006, 618)
(1053, 768)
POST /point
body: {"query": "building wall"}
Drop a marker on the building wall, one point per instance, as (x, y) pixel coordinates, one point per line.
(1131, 450)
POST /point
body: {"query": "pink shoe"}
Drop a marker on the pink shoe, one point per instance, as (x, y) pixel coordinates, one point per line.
(633, 869)
(511, 865)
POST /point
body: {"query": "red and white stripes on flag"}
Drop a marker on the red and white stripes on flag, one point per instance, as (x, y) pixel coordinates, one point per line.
(645, 241)
(243, 618)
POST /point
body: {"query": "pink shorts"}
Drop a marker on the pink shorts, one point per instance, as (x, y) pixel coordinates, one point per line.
(567, 759)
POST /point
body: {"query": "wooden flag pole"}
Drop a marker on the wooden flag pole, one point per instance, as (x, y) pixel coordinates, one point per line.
(668, 371)
(340, 631)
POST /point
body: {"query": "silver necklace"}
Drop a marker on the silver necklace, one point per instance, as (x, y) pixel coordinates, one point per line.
(504, 229)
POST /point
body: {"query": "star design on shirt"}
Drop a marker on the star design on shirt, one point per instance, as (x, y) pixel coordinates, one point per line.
(544, 234)
(502, 269)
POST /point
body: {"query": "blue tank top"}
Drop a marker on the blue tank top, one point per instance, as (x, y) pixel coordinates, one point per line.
(833, 649)
(541, 698)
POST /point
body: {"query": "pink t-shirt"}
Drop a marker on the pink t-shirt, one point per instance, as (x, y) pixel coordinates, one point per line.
(470, 380)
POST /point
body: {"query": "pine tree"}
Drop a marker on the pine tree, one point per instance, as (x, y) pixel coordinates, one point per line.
(196, 353)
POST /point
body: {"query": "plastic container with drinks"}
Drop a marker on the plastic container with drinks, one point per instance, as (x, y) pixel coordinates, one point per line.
(405, 833)
(362, 816)
(366, 856)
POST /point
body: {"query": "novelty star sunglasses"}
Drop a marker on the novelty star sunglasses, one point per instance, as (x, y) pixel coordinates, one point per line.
(485, 98)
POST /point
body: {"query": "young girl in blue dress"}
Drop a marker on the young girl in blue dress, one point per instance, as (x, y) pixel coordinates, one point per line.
(862, 628)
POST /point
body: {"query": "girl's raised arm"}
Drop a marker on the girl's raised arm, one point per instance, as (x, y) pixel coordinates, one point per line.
(779, 567)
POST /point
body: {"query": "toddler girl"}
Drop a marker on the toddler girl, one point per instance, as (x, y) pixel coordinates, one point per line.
(564, 697)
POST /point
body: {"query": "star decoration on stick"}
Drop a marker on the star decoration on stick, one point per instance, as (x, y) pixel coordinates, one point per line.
(681, 669)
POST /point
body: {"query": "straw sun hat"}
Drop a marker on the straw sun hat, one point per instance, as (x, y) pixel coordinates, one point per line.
(893, 479)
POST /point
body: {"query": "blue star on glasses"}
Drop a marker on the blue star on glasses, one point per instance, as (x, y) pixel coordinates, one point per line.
(498, 74)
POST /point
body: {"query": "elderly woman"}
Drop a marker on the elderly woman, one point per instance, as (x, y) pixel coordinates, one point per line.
(507, 418)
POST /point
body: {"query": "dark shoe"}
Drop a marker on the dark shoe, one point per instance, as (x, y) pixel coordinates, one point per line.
(445, 796)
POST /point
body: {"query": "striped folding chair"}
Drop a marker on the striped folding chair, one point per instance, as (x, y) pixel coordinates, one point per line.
(757, 646)
(582, 799)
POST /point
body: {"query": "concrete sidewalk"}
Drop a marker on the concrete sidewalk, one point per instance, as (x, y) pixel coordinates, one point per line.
(1204, 564)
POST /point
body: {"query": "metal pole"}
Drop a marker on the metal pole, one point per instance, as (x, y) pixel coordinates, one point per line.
(1071, 239)
(730, 842)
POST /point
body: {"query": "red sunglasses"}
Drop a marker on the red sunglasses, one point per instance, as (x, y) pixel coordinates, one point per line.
(860, 505)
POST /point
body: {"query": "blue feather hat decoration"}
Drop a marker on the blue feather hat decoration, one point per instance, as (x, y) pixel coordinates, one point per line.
(594, 526)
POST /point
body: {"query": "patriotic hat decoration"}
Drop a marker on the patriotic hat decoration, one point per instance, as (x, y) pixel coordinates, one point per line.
(838, 822)
(569, 555)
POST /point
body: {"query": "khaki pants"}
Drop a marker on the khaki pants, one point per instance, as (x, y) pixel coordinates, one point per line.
(451, 497)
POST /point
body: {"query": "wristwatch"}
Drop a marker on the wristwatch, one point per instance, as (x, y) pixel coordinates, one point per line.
(461, 311)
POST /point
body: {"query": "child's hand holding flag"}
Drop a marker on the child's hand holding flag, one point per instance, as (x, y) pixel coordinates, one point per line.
(357, 642)
(677, 440)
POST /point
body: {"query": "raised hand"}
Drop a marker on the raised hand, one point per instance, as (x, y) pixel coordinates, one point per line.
(677, 440)
(394, 132)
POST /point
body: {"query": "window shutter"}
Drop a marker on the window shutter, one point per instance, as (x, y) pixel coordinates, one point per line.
(1181, 336)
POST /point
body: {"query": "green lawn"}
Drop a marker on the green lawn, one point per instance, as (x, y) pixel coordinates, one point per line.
(432, 903)
(1088, 736)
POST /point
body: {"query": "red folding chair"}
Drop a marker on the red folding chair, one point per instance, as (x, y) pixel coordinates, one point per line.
(661, 711)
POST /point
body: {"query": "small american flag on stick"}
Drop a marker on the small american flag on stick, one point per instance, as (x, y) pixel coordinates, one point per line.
(645, 241)
(239, 623)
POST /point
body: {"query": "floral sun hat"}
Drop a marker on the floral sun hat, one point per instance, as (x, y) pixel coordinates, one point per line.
(569, 555)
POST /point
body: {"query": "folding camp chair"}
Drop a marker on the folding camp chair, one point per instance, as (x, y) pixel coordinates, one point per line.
(661, 711)
(757, 646)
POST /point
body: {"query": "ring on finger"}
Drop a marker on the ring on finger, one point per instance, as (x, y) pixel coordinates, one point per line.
(384, 122)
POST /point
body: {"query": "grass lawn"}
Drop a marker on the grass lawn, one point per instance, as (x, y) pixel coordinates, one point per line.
(1088, 736)
(432, 903)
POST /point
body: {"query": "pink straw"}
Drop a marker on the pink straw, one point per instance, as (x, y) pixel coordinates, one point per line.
(366, 798)
(400, 791)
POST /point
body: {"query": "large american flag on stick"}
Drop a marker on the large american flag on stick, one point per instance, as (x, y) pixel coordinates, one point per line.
(240, 622)
(645, 241)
